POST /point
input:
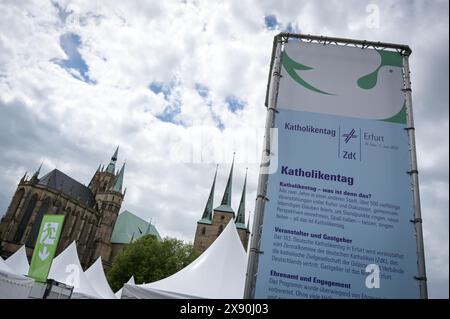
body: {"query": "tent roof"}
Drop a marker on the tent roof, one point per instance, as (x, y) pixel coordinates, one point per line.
(66, 268)
(130, 227)
(97, 279)
(218, 273)
(5, 268)
(19, 261)
(119, 292)
(7, 272)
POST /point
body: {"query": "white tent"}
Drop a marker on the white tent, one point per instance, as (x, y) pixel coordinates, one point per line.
(19, 261)
(98, 281)
(119, 292)
(218, 273)
(12, 284)
(66, 268)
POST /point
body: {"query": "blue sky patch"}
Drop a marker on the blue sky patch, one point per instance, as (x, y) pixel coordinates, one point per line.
(159, 87)
(62, 12)
(169, 114)
(271, 22)
(70, 43)
(173, 108)
(203, 91)
(234, 104)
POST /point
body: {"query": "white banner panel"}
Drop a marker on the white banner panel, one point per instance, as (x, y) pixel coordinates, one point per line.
(337, 223)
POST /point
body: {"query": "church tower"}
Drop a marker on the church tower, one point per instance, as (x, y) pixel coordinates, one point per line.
(212, 223)
(206, 233)
(243, 230)
(106, 185)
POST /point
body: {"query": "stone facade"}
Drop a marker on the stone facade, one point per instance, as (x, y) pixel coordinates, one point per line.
(90, 212)
(206, 234)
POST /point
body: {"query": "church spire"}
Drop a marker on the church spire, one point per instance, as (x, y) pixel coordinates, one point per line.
(240, 219)
(207, 213)
(112, 165)
(95, 175)
(36, 174)
(117, 187)
(225, 205)
(34, 178)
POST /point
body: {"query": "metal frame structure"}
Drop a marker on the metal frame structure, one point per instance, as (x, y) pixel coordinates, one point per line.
(271, 105)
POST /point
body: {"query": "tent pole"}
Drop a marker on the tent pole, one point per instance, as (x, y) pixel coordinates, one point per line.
(415, 182)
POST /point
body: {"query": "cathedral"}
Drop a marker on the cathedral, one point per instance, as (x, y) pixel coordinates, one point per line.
(213, 221)
(92, 216)
(90, 212)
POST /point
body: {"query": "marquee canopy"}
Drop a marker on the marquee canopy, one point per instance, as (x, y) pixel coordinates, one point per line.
(218, 273)
(66, 268)
(19, 261)
(98, 281)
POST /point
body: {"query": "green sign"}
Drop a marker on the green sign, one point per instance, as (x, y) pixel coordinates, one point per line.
(45, 248)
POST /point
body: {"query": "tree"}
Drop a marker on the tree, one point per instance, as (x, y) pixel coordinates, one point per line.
(148, 260)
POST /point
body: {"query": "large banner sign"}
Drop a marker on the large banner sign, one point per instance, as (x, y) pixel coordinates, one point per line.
(45, 248)
(337, 222)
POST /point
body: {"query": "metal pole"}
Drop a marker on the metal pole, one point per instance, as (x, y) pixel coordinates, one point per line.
(405, 50)
(271, 97)
(415, 183)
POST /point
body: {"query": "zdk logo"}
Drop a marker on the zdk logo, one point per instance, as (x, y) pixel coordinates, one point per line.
(350, 135)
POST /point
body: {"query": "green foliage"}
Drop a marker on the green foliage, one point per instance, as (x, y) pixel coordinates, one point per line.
(148, 260)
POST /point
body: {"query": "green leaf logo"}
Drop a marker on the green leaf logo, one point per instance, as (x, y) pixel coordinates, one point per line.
(388, 58)
(291, 68)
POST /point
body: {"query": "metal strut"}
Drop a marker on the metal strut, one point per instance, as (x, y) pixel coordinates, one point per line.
(256, 251)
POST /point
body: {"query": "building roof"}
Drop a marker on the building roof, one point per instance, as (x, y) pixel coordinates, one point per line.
(240, 219)
(66, 184)
(130, 227)
(117, 187)
(112, 165)
(207, 213)
(225, 205)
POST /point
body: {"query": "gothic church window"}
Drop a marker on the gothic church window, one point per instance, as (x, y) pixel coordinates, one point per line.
(16, 201)
(25, 218)
(37, 222)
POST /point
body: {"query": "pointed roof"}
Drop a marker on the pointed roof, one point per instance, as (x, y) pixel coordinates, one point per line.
(58, 271)
(129, 227)
(112, 165)
(130, 282)
(240, 219)
(207, 213)
(117, 187)
(225, 205)
(226, 256)
(95, 174)
(19, 261)
(66, 184)
(36, 174)
(98, 281)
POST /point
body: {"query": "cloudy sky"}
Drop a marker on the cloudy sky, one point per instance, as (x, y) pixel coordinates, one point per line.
(180, 85)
